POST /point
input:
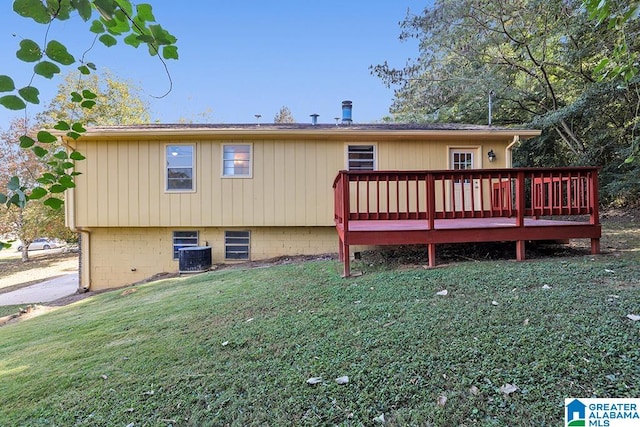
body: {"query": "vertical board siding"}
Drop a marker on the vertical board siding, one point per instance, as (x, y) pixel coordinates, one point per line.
(123, 182)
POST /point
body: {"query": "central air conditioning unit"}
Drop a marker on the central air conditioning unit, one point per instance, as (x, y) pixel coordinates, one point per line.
(195, 259)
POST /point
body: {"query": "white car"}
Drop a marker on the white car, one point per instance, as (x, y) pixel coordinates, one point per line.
(41, 243)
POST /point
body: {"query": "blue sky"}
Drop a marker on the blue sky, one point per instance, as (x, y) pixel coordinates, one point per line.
(242, 58)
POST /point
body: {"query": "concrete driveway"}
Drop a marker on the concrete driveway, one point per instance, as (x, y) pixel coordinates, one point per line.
(45, 291)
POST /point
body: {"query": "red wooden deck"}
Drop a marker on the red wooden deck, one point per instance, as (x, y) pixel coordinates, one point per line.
(465, 206)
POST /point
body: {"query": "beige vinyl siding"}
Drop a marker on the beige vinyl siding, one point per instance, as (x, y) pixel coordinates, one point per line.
(123, 183)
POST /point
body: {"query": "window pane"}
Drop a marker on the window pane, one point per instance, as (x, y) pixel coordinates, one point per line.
(179, 167)
(236, 160)
(361, 157)
(183, 239)
(236, 245)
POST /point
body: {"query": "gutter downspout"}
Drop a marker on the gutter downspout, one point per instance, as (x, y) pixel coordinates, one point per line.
(509, 151)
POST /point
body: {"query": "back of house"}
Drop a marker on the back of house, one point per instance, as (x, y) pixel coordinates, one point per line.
(247, 192)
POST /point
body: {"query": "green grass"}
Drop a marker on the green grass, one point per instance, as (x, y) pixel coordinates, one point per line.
(236, 347)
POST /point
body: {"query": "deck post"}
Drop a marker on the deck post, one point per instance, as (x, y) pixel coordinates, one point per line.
(432, 254)
(520, 254)
(594, 200)
(520, 207)
(346, 259)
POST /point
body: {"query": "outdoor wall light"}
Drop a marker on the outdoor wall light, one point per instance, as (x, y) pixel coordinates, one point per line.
(491, 155)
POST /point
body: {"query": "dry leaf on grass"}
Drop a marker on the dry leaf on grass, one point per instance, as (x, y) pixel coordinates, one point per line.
(379, 419)
(442, 400)
(443, 292)
(509, 388)
(633, 317)
(314, 380)
(342, 380)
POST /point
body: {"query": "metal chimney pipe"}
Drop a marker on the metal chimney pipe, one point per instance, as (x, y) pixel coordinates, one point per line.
(491, 94)
(346, 112)
(314, 119)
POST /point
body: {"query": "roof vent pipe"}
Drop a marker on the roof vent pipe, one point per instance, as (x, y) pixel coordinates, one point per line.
(491, 95)
(314, 119)
(346, 112)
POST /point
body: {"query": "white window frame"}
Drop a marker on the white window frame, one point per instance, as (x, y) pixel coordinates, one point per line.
(224, 156)
(176, 246)
(348, 159)
(192, 167)
(232, 242)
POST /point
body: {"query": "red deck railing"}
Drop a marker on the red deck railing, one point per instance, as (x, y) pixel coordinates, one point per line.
(429, 196)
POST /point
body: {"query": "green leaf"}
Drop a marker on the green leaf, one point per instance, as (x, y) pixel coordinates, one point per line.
(46, 69)
(3, 198)
(126, 6)
(76, 97)
(62, 125)
(57, 188)
(161, 35)
(6, 84)
(39, 151)
(30, 94)
(92, 66)
(67, 165)
(12, 102)
(62, 155)
(33, 9)
(53, 203)
(84, 70)
(58, 52)
(29, 51)
(170, 52)
(14, 183)
(106, 8)
(76, 155)
(145, 12)
(37, 193)
(67, 181)
(47, 178)
(132, 40)
(73, 135)
(18, 199)
(87, 94)
(83, 7)
(108, 40)
(26, 141)
(87, 104)
(78, 128)
(46, 137)
(97, 27)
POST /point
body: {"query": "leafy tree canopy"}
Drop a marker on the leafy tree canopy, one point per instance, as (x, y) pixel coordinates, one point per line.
(541, 61)
(111, 22)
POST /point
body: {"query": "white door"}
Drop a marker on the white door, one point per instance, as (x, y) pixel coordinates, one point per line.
(466, 192)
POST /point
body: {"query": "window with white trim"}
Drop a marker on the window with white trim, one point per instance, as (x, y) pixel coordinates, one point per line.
(179, 168)
(183, 239)
(237, 245)
(361, 157)
(236, 160)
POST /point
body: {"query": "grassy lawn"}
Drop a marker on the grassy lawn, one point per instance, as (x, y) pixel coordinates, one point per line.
(236, 347)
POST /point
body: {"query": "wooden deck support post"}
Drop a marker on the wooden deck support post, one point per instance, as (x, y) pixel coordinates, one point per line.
(432, 255)
(430, 187)
(594, 218)
(520, 206)
(346, 259)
